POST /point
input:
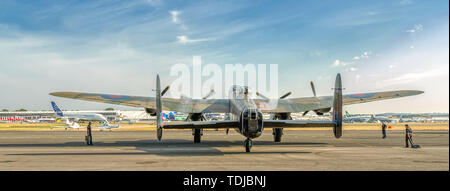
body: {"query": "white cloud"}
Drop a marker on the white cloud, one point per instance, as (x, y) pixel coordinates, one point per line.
(392, 66)
(184, 40)
(365, 54)
(175, 15)
(338, 63)
(411, 77)
(352, 69)
(416, 28)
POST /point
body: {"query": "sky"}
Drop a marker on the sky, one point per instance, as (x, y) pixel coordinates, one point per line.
(118, 47)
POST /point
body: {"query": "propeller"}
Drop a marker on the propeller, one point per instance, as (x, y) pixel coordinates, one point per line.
(315, 95)
(285, 95)
(272, 116)
(305, 113)
(262, 96)
(212, 92)
(313, 89)
(165, 90)
(266, 98)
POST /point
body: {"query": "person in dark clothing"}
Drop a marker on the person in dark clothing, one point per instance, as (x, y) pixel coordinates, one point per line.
(89, 134)
(383, 129)
(408, 136)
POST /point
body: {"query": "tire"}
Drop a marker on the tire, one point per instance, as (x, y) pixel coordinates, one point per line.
(248, 145)
(197, 135)
(278, 132)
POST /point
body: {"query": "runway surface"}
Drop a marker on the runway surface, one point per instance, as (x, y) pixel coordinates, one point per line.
(299, 150)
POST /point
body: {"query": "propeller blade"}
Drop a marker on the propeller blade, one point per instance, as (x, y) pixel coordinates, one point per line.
(313, 89)
(305, 113)
(266, 98)
(212, 92)
(285, 95)
(262, 96)
(165, 90)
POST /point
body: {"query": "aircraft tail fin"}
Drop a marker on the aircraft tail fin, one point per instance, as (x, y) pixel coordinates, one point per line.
(337, 107)
(56, 109)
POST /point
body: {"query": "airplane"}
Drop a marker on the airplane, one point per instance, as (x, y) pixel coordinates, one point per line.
(109, 126)
(174, 116)
(366, 119)
(355, 119)
(81, 116)
(379, 119)
(245, 113)
(169, 116)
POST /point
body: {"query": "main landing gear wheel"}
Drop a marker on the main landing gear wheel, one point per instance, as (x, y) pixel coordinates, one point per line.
(197, 135)
(159, 133)
(248, 143)
(277, 133)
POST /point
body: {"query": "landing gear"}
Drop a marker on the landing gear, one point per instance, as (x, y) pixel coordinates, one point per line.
(197, 135)
(248, 143)
(159, 133)
(277, 133)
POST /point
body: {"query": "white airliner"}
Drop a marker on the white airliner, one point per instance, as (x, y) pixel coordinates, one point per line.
(75, 117)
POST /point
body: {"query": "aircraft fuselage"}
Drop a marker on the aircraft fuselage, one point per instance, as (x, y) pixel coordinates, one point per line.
(244, 109)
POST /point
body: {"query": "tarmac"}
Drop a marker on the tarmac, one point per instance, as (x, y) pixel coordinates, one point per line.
(299, 150)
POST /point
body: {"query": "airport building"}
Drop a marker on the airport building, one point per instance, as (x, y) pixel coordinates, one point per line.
(50, 116)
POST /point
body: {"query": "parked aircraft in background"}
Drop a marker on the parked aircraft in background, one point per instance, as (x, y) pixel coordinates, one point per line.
(379, 119)
(174, 116)
(355, 119)
(73, 118)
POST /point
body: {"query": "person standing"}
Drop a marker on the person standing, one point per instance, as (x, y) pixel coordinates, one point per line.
(383, 129)
(408, 136)
(89, 134)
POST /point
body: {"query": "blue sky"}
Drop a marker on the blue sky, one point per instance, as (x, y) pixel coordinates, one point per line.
(119, 46)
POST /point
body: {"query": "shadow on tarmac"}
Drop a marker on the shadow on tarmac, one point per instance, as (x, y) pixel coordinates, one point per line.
(169, 147)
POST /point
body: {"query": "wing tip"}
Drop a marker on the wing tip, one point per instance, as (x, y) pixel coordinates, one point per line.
(63, 94)
(415, 92)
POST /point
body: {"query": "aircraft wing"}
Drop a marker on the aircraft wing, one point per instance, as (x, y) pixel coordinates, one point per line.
(187, 105)
(296, 123)
(226, 124)
(293, 105)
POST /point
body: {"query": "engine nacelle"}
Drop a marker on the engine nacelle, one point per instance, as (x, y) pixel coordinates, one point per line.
(151, 111)
(322, 111)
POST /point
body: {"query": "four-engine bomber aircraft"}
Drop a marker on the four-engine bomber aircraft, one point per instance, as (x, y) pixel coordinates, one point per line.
(245, 113)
